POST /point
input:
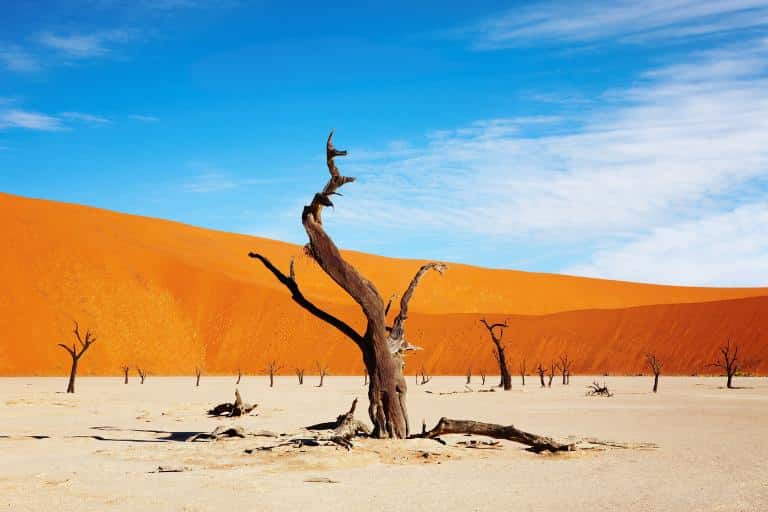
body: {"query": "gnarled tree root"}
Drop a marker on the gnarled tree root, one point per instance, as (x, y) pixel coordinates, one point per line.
(344, 428)
(536, 443)
(236, 408)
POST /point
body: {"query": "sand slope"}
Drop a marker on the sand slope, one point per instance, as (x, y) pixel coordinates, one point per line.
(170, 296)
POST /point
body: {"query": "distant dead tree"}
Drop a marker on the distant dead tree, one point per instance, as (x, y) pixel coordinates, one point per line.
(729, 362)
(469, 374)
(598, 389)
(482, 376)
(565, 368)
(496, 330)
(198, 373)
(76, 353)
(655, 365)
(300, 375)
(239, 376)
(424, 377)
(523, 370)
(541, 371)
(552, 369)
(272, 369)
(322, 370)
(142, 374)
(125, 374)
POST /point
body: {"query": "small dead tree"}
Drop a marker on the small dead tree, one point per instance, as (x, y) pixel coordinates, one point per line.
(496, 331)
(656, 366)
(76, 353)
(239, 376)
(142, 374)
(272, 369)
(125, 374)
(322, 371)
(541, 371)
(424, 377)
(565, 368)
(198, 373)
(482, 376)
(300, 375)
(469, 375)
(552, 370)
(598, 389)
(523, 370)
(729, 362)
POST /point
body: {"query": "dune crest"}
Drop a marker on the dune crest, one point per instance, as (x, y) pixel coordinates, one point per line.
(169, 296)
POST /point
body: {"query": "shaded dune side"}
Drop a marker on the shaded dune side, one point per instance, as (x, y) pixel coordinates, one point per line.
(168, 297)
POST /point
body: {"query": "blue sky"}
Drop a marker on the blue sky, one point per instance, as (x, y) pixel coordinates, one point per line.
(625, 140)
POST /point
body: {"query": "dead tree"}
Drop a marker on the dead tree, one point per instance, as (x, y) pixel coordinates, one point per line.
(496, 331)
(598, 389)
(523, 370)
(565, 368)
(142, 374)
(656, 366)
(469, 375)
(537, 443)
(236, 408)
(239, 376)
(198, 373)
(125, 374)
(383, 346)
(272, 369)
(552, 369)
(77, 352)
(541, 371)
(322, 370)
(424, 377)
(482, 376)
(300, 375)
(729, 362)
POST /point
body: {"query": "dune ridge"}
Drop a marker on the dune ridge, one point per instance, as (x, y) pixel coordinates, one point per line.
(169, 296)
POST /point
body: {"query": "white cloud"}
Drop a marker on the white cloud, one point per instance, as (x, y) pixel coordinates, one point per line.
(630, 21)
(81, 46)
(29, 120)
(725, 248)
(143, 118)
(209, 182)
(17, 59)
(686, 143)
(85, 118)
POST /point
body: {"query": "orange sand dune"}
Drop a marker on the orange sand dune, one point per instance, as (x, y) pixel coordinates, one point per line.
(170, 296)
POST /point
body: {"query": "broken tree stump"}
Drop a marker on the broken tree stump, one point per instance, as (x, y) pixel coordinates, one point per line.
(236, 408)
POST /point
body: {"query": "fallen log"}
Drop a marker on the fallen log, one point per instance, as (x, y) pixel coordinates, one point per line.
(236, 408)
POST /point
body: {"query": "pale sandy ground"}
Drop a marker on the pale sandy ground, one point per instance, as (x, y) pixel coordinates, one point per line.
(712, 455)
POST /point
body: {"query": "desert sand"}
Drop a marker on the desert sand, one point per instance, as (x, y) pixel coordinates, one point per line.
(103, 447)
(169, 297)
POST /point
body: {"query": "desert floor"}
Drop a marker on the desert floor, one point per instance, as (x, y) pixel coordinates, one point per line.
(105, 444)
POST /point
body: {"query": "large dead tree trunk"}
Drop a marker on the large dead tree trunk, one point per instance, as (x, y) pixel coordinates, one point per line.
(497, 334)
(76, 353)
(537, 443)
(655, 365)
(729, 362)
(383, 347)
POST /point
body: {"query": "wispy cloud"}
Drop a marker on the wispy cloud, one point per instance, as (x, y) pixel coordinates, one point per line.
(686, 143)
(629, 21)
(15, 58)
(29, 120)
(209, 182)
(143, 118)
(82, 46)
(84, 118)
